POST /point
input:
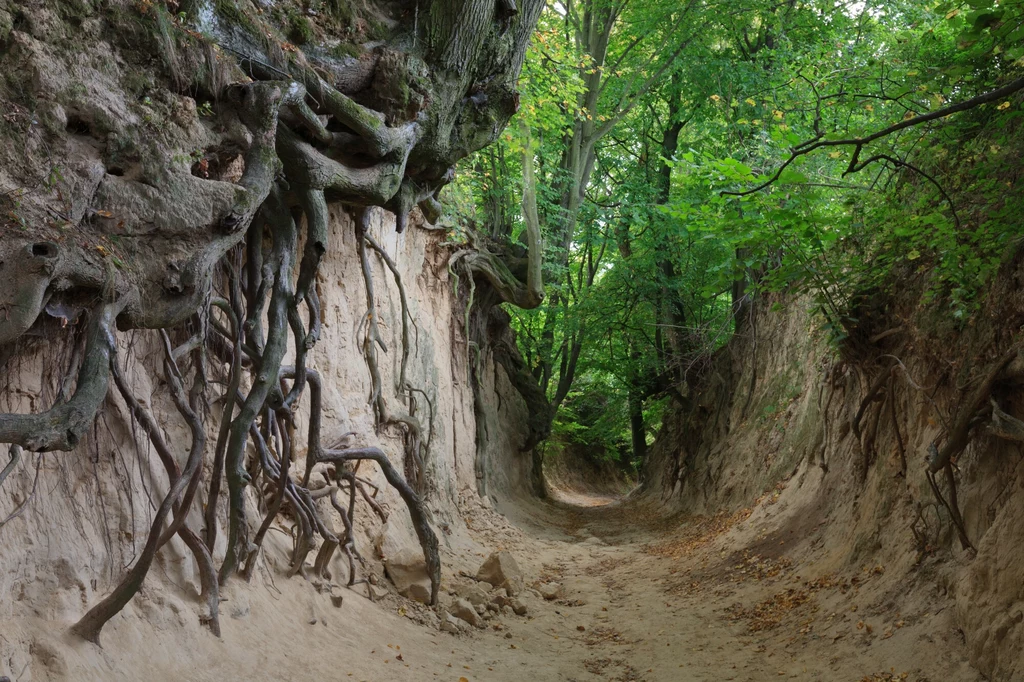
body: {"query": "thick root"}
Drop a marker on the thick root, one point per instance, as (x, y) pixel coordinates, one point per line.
(62, 426)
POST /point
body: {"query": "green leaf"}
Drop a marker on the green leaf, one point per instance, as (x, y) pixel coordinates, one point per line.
(792, 177)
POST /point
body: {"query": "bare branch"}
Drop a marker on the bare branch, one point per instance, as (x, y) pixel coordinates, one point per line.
(858, 143)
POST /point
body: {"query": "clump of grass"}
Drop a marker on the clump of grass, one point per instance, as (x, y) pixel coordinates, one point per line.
(300, 30)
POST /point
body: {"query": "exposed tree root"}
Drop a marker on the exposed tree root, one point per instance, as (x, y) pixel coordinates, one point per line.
(204, 559)
(220, 449)
(873, 394)
(15, 455)
(428, 540)
(959, 435)
(951, 506)
(896, 428)
(284, 235)
(871, 433)
(62, 426)
(506, 354)
(92, 622)
(308, 144)
(1002, 426)
(403, 298)
(24, 505)
(415, 446)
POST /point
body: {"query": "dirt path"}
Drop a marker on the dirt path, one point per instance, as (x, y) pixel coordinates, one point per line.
(643, 598)
(734, 597)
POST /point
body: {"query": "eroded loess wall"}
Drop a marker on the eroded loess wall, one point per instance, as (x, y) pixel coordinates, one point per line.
(92, 508)
(773, 416)
(117, 149)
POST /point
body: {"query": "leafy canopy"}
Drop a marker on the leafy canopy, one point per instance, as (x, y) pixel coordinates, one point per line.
(652, 122)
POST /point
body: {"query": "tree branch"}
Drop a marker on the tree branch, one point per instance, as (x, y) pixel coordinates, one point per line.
(858, 143)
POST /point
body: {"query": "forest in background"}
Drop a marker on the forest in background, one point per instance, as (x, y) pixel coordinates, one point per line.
(688, 157)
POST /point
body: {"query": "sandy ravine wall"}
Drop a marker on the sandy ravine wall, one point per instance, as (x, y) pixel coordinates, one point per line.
(92, 507)
(772, 414)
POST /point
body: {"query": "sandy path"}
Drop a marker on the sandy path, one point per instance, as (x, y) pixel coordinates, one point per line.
(644, 598)
(702, 600)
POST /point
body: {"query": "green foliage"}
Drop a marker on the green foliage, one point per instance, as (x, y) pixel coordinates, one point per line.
(646, 258)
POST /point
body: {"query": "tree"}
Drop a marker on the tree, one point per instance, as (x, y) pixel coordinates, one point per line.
(666, 207)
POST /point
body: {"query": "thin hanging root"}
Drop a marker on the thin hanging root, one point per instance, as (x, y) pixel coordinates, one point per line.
(15, 453)
(412, 428)
(272, 511)
(315, 417)
(301, 503)
(372, 338)
(826, 422)
(203, 557)
(198, 384)
(430, 409)
(413, 442)
(872, 395)
(92, 623)
(896, 428)
(406, 315)
(31, 496)
(273, 475)
(871, 432)
(378, 509)
(348, 543)
(322, 563)
(220, 449)
(348, 520)
(309, 516)
(954, 508)
(951, 506)
(428, 540)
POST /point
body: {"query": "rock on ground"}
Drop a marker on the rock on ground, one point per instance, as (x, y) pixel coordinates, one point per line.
(471, 592)
(462, 609)
(501, 570)
(550, 590)
(408, 571)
